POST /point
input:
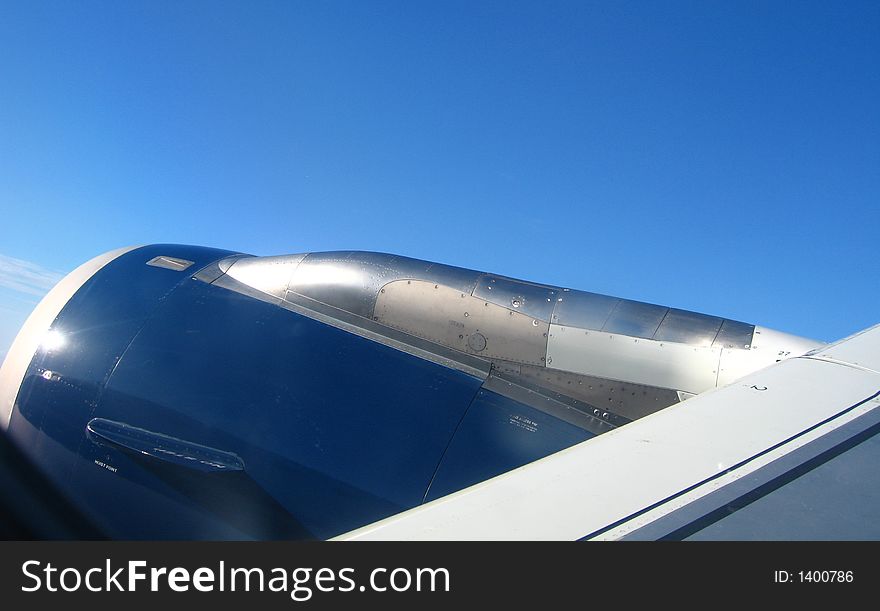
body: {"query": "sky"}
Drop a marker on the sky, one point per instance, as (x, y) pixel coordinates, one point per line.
(722, 157)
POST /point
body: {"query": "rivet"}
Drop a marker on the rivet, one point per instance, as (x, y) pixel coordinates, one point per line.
(534, 323)
(382, 291)
(466, 314)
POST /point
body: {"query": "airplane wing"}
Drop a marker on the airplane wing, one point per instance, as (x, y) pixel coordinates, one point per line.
(680, 470)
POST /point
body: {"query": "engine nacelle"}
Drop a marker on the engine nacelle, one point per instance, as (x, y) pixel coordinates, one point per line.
(185, 392)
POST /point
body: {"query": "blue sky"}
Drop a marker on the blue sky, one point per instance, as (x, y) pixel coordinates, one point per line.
(716, 156)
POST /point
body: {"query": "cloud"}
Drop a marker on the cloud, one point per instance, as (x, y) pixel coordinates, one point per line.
(26, 277)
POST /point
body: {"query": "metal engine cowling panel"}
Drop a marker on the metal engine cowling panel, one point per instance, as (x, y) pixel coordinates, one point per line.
(451, 318)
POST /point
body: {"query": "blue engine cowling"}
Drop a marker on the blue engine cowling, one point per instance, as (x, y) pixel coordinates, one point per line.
(168, 407)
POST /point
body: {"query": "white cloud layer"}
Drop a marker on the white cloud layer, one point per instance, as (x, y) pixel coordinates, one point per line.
(26, 277)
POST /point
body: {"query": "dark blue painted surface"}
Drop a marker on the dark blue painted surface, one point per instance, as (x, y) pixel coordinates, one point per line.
(497, 435)
(97, 325)
(335, 430)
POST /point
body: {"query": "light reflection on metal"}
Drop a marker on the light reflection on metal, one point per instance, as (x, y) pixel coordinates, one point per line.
(270, 275)
(635, 319)
(688, 328)
(735, 335)
(53, 340)
(583, 309)
(353, 281)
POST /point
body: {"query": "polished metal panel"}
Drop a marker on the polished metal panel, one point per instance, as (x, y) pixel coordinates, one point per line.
(335, 279)
(626, 399)
(224, 264)
(270, 275)
(458, 278)
(450, 317)
(688, 328)
(406, 268)
(635, 319)
(734, 334)
(642, 361)
(214, 270)
(350, 280)
(172, 263)
(583, 309)
(535, 300)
